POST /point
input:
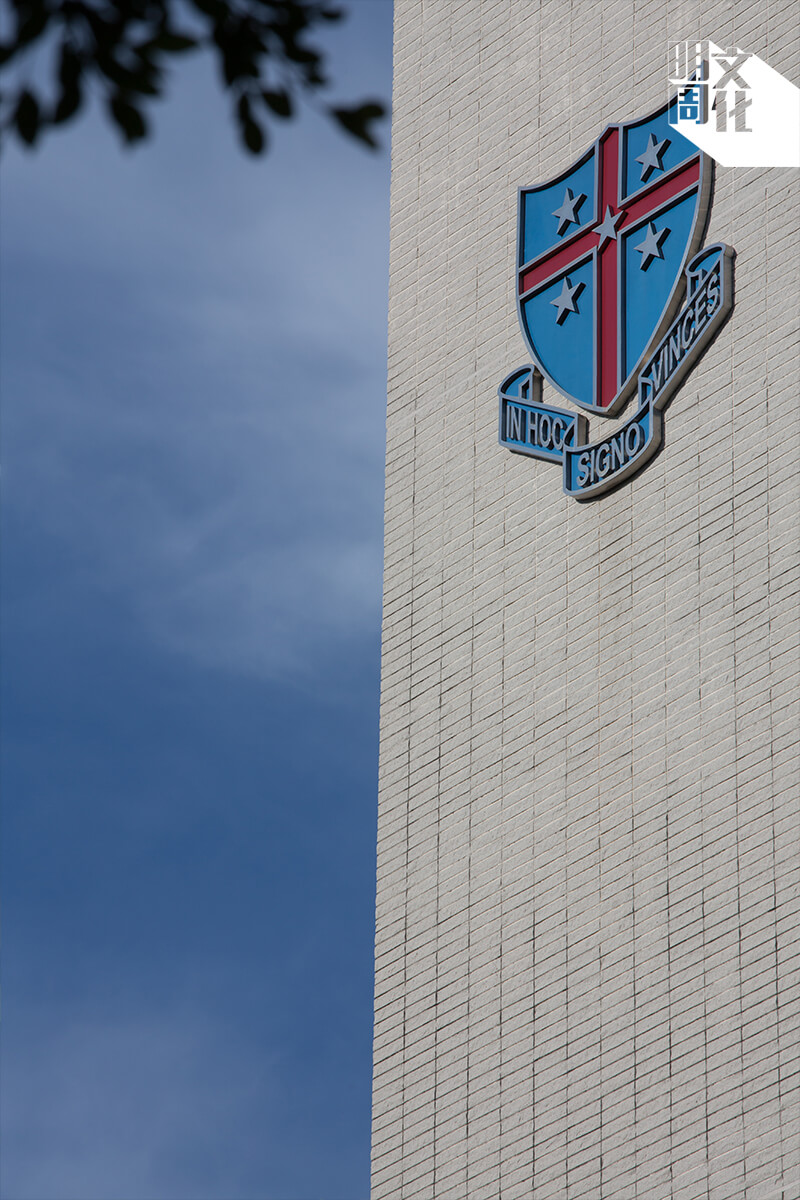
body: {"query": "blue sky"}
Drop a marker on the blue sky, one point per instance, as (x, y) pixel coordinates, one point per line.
(194, 387)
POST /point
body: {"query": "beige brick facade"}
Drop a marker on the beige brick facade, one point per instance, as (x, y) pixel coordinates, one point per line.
(587, 911)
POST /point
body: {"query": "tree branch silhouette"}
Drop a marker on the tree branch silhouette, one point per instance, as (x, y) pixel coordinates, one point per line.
(125, 48)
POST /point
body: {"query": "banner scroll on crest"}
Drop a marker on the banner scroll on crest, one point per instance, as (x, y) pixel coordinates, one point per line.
(527, 426)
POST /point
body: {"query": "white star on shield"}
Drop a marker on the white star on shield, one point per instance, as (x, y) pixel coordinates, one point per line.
(566, 301)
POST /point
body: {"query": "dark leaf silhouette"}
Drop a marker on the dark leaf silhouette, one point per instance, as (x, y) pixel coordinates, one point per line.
(252, 133)
(279, 102)
(130, 121)
(26, 117)
(358, 121)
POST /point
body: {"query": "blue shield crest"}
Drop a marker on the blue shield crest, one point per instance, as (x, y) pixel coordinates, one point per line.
(601, 255)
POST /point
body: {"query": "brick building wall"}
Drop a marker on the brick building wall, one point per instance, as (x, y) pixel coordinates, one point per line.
(587, 907)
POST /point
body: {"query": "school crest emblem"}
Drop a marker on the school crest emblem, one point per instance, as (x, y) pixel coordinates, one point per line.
(615, 298)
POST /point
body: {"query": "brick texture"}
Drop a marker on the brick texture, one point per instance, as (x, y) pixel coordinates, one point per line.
(588, 895)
